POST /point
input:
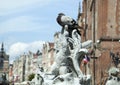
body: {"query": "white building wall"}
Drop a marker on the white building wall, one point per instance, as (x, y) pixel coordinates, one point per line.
(31, 64)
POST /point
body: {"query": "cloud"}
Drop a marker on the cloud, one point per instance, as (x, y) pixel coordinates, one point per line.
(20, 17)
(16, 49)
(11, 6)
(18, 24)
(25, 24)
(24, 21)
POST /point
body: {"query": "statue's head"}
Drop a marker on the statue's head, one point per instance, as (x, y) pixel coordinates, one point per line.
(61, 14)
(113, 71)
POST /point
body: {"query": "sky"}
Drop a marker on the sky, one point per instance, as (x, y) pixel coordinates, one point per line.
(26, 24)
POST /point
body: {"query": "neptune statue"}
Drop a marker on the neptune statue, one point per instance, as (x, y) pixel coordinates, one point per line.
(69, 53)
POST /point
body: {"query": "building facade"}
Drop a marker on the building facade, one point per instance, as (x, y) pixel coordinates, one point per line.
(48, 56)
(4, 62)
(101, 23)
(25, 65)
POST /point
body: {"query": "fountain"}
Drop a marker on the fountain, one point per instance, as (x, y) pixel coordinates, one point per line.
(69, 53)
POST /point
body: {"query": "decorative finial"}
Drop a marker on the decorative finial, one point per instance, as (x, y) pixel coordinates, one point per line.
(79, 8)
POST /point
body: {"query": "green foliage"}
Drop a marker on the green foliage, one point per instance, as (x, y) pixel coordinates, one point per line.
(31, 76)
